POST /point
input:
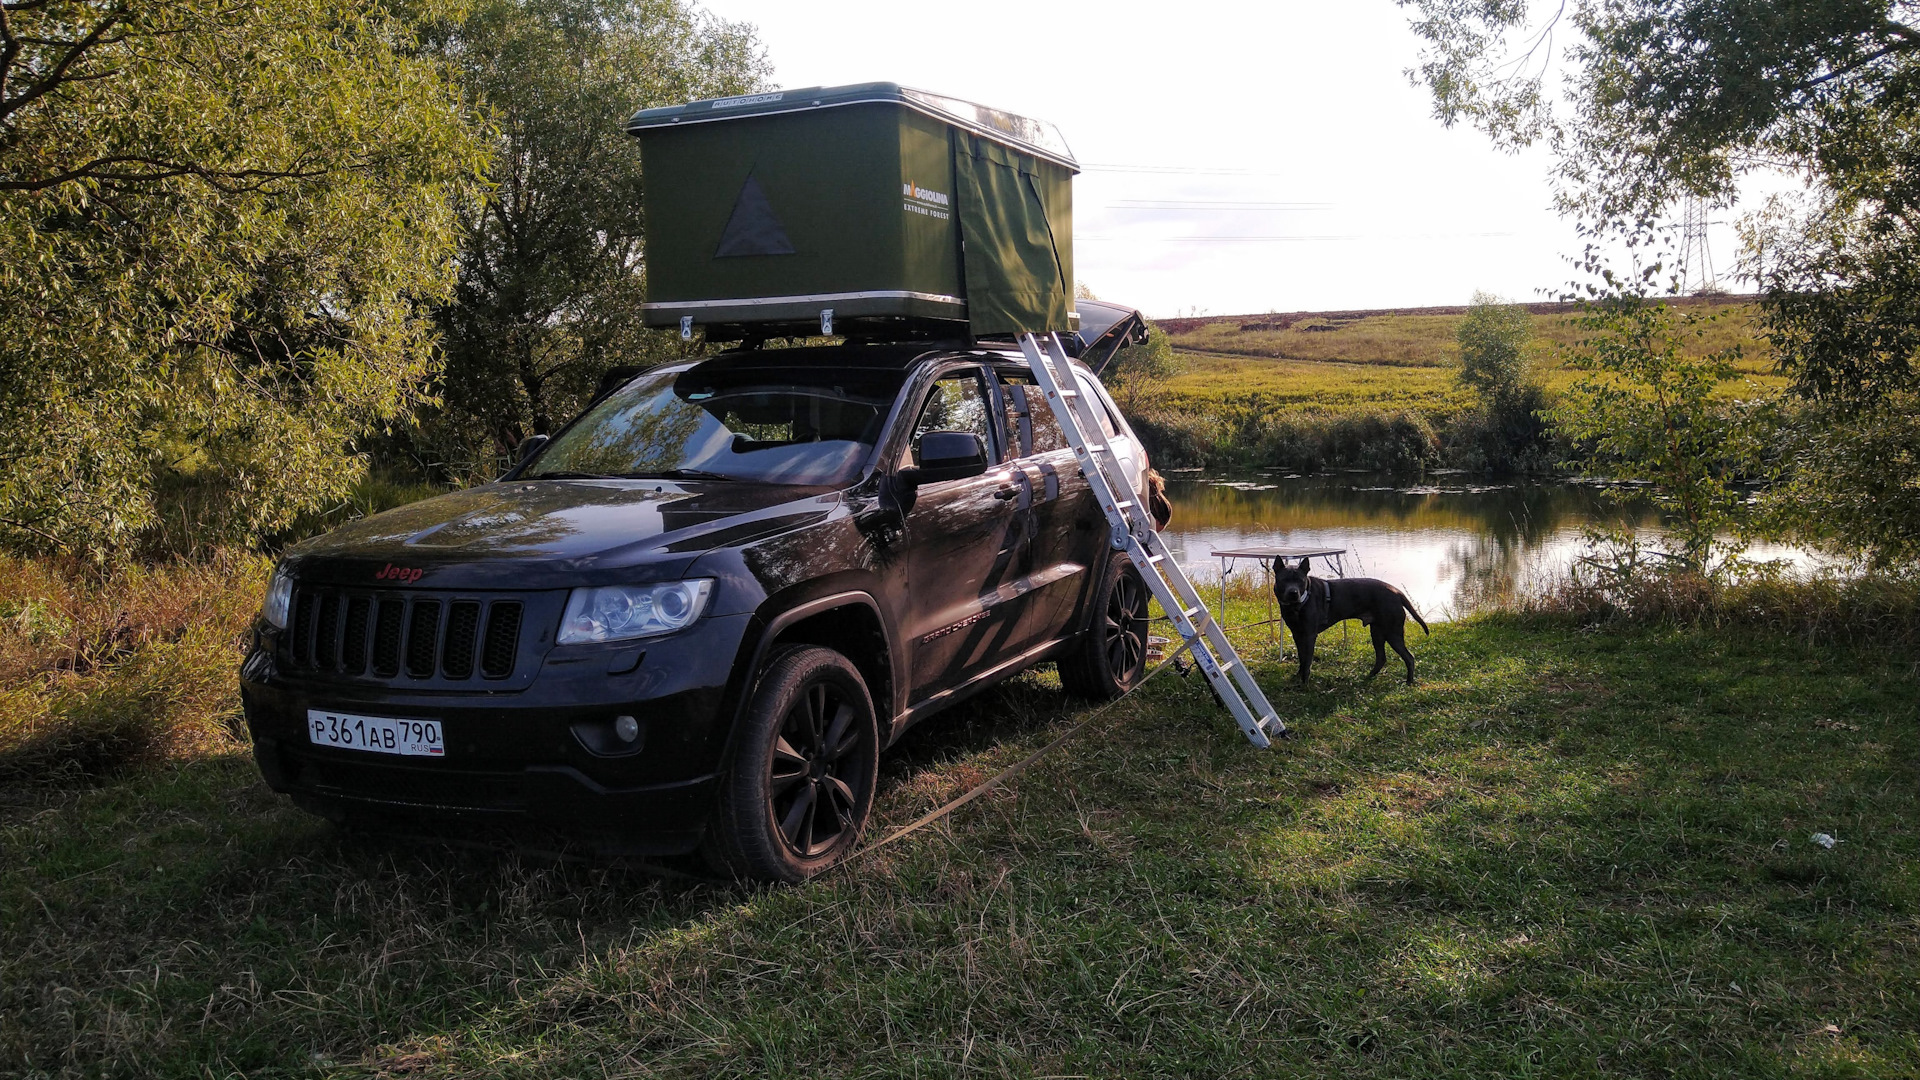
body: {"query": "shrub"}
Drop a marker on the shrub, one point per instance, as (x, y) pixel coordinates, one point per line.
(101, 671)
(1828, 606)
(1399, 441)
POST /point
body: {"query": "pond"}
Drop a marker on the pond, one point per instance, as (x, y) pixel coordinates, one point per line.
(1455, 543)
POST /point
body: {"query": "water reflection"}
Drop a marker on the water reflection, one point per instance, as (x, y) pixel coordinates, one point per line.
(1454, 544)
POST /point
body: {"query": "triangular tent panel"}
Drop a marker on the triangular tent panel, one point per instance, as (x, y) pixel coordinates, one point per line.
(752, 228)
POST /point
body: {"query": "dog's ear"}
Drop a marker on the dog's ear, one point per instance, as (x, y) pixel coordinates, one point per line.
(1304, 563)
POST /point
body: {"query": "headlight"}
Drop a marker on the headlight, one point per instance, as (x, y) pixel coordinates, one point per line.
(617, 612)
(279, 598)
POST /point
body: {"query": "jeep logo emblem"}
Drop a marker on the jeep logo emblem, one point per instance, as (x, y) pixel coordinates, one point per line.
(407, 574)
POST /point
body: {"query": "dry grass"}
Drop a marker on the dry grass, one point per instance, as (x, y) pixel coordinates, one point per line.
(1427, 340)
(1877, 609)
(101, 672)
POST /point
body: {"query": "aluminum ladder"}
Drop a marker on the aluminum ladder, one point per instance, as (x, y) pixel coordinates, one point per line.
(1133, 533)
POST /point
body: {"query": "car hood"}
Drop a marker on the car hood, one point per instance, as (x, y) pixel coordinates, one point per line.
(555, 533)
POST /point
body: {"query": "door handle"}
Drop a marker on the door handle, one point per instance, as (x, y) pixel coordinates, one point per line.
(1007, 492)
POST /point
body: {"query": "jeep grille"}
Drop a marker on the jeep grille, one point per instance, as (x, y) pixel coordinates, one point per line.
(345, 632)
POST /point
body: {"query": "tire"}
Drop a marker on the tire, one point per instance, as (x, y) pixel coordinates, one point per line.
(799, 782)
(1111, 657)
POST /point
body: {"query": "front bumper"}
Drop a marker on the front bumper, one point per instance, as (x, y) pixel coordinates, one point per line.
(542, 755)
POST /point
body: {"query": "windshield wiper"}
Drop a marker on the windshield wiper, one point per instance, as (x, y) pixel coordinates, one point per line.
(678, 474)
(575, 476)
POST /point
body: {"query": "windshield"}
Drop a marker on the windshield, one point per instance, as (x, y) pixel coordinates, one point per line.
(810, 426)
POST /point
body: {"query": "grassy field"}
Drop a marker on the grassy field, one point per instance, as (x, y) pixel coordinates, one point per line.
(1311, 368)
(1566, 852)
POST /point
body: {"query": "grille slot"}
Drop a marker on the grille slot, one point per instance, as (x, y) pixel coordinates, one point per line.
(423, 633)
(503, 640)
(303, 629)
(348, 632)
(353, 639)
(326, 632)
(386, 637)
(463, 632)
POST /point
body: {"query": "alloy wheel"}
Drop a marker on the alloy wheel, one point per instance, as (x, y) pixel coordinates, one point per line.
(1126, 627)
(816, 770)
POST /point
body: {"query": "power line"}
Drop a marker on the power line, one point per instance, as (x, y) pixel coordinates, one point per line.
(1079, 237)
(1171, 170)
(1212, 204)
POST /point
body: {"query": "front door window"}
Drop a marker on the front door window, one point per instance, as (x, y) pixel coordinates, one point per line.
(958, 402)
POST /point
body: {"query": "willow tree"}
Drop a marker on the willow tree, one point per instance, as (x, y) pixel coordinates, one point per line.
(550, 264)
(1660, 101)
(217, 221)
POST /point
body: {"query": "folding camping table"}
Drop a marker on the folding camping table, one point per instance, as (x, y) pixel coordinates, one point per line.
(1266, 557)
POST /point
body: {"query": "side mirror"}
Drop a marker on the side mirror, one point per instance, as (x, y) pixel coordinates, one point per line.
(529, 446)
(615, 378)
(948, 455)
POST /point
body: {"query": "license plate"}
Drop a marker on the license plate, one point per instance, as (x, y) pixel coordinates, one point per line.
(408, 738)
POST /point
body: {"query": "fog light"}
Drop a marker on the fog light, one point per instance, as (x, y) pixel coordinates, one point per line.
(626, 727)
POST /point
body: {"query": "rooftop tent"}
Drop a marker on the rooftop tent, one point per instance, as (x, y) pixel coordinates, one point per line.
(898, 211)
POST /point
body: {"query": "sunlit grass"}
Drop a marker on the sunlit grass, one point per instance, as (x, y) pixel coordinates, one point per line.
(1395, 362)
(1563, 853)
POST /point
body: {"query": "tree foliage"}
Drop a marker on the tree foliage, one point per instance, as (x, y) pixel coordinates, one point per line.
(1648, 412)
(1665, 100)
(1671, 97)
(550, 266)
(216, 218)
(1851, 481)
(1137, 375)
(1493, 339)
(1507, 428)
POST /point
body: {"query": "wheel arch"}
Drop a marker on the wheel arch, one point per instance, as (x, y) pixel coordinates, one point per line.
(849, 623)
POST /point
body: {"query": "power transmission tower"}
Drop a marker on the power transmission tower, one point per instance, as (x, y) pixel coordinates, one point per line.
(1696, 257)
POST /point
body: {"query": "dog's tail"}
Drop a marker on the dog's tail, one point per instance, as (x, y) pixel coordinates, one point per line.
(1408, 604)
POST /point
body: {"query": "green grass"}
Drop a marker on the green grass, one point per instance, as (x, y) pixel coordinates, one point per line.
(1241, 384)
(1357, 362)
(1564, 853)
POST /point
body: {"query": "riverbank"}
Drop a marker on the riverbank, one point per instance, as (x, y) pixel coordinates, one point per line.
(1365, 389)
(1566, 852)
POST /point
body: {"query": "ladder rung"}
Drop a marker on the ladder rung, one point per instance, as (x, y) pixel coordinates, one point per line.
(1100, 465)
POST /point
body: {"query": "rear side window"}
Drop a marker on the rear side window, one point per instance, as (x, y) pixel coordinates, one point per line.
(1089, 393)
(1031, 427)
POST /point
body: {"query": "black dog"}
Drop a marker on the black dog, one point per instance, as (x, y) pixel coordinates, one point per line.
(1308, 605)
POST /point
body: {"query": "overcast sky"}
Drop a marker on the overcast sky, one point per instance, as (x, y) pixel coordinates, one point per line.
(1239, 157)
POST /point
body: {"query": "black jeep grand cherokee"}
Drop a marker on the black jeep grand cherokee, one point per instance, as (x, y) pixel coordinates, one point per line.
(695, 617)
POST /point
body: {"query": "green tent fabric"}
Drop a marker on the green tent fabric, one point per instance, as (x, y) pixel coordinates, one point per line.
(1016, 279)
(752, 228)
(767, 213)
